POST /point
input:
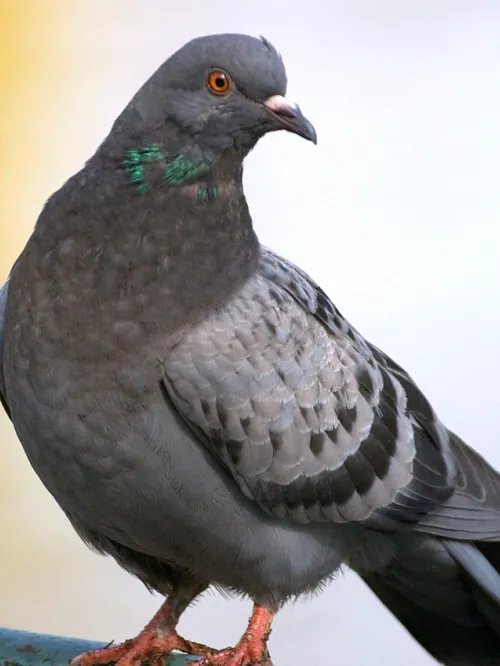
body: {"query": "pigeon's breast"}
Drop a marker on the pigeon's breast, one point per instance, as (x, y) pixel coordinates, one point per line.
(124, 466)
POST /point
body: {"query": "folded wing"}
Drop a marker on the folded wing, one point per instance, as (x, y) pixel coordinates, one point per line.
(312, 421)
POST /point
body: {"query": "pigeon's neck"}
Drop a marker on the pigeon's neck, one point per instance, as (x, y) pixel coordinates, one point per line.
(164, 241)
(148, 166)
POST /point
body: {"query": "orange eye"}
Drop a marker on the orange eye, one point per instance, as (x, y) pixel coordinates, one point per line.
(218, 82)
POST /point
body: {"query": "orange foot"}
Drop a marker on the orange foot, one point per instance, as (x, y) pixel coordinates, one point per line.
(252, 647)
(152, 645)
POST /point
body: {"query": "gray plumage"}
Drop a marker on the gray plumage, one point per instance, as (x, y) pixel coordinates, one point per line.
(198, 406)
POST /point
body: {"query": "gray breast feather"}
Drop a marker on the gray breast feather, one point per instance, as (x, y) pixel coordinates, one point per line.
(3, 304)
(299, 410)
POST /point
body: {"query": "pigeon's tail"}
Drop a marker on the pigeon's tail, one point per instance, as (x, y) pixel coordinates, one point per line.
(444, 581)
(452, 618)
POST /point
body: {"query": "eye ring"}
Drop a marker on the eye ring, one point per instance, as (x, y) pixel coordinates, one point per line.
(218, 82)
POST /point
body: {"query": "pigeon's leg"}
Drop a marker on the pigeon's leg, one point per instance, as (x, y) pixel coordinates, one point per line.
(251, 649)
(157, 640)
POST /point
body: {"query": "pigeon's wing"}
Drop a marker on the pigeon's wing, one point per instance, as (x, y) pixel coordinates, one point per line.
(472, 513)
(311, 421)
(3, 303)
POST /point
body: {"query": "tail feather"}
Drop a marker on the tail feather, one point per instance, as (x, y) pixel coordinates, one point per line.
(479, 568)
(451, 641)
(444, 581)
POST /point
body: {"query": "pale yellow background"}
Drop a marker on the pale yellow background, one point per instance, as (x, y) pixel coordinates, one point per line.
(396, 213)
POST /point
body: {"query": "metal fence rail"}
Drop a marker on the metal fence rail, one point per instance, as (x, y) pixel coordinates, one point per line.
(23, 648)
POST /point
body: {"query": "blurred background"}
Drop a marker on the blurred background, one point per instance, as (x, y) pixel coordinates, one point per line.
(395, 213)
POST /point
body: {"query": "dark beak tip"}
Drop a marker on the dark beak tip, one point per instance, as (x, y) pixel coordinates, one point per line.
(301, 125)
(304, 128)
(312, 134)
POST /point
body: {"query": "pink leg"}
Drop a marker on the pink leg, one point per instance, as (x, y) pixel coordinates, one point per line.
(251, 649)
(157, 640)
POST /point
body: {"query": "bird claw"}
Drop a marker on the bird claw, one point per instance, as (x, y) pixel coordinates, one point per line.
(252, 647)
(244, 654)
(149, 646)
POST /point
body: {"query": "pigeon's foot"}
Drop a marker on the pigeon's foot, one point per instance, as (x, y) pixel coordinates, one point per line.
(157, 640)
(252, 647)
(150, 646)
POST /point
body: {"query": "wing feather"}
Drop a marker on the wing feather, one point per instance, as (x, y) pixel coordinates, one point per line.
(310, 419)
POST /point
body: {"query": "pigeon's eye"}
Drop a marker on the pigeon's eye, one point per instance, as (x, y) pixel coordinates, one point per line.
(218, 82)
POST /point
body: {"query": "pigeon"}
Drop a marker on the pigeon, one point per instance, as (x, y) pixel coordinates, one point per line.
(204, 414)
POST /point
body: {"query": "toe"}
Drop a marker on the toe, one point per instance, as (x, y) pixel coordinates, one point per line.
(107, 655)
(149, 646)
(239, 656)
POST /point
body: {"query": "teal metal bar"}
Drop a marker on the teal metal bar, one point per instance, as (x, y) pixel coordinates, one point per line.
(23, 648)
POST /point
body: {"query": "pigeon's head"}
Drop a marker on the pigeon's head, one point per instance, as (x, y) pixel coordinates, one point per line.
(220, 92)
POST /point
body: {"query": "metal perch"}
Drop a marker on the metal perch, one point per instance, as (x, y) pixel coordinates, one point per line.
(23, 648)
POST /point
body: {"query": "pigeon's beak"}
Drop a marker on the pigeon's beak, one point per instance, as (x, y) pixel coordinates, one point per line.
(290, 117)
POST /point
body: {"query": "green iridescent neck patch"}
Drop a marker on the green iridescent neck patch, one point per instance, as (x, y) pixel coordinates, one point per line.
(178, 170)
(206, 194)
(136, 161)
